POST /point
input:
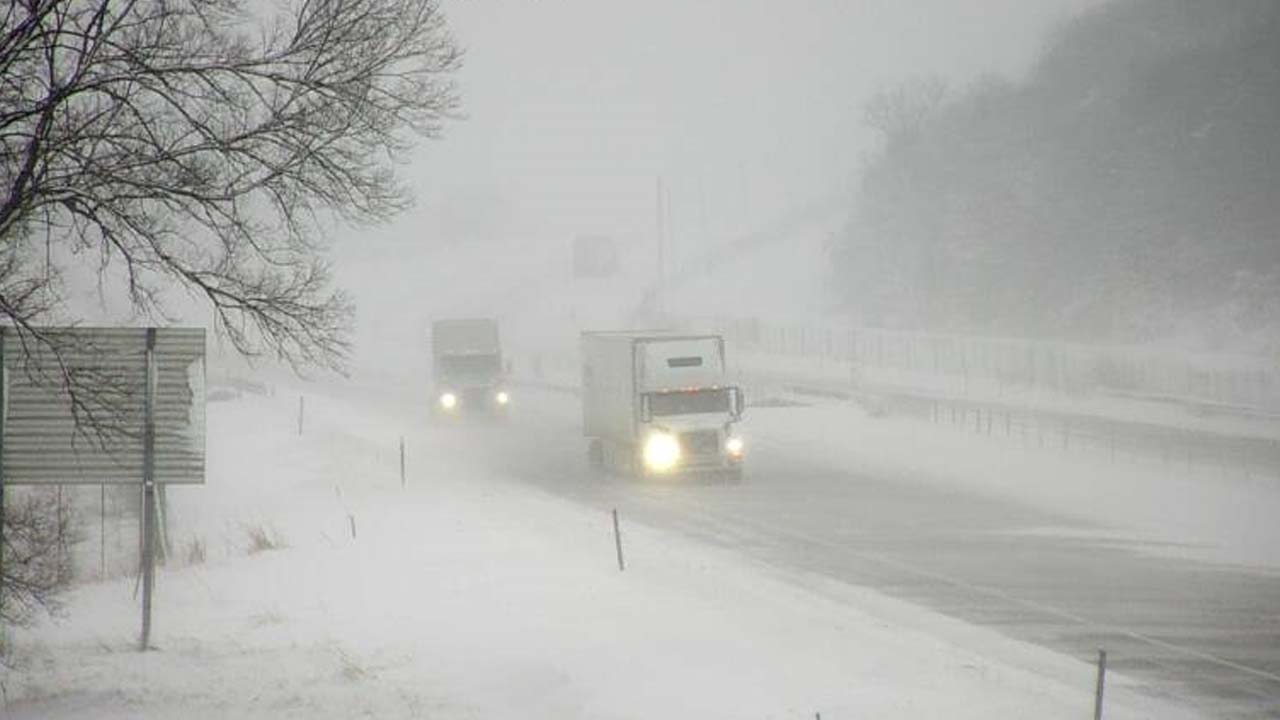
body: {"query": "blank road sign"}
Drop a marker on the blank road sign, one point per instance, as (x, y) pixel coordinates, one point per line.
(75, 399)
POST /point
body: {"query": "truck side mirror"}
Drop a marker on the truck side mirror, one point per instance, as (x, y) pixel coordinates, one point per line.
(739, 402)
(645, 413)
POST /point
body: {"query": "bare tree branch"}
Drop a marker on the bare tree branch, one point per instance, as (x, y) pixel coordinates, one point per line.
(38, 530)
(899, 112)
(162, 136)
(165, 137)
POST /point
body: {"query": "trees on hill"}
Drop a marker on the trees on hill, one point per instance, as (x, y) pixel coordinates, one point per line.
(1130, 186)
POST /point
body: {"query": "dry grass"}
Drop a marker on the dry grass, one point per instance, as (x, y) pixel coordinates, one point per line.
(261, 539)
(350, 670)
(195, 552)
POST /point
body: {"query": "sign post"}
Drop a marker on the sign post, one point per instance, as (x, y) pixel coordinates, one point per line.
(149, 489)
(105, 406)
(4, 410)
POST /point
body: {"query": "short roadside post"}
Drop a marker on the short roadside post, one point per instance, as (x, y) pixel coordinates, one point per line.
(617, 541)
(1102, 680)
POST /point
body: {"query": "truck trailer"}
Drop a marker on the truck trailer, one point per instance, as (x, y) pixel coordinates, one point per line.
(466, 367)
(657, 403)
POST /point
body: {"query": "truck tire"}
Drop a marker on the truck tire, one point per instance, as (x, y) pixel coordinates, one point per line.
(733, 476)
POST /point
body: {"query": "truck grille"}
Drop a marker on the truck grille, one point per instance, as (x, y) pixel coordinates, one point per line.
(701, 442)
(476, 398)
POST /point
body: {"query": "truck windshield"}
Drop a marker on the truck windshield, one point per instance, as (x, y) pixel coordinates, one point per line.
(684, 403)
(468, 365)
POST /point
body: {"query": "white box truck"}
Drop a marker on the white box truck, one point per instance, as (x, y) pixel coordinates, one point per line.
(660, 403)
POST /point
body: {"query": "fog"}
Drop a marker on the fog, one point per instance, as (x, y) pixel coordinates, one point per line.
(1068, 248)
(949, 388)
(575, 111)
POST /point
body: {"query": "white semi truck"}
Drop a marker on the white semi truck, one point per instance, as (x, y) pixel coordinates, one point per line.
(466, 367)
(660, 403)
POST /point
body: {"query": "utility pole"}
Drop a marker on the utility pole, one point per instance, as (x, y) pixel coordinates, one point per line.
(705, 240)
(660, 288)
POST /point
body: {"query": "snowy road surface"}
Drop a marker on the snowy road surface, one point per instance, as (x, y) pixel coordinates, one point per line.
(1203, 633)
(477, 591)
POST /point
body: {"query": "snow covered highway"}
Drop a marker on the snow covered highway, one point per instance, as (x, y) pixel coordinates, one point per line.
(484, 584)
(1193, 620)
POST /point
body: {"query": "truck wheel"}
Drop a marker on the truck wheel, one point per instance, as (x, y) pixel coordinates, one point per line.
(733, 476)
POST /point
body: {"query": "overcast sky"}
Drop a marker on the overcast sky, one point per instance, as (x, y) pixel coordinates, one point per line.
(743, 107)
(574, 109)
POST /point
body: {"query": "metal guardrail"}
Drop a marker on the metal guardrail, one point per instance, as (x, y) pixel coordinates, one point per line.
(1245, 385)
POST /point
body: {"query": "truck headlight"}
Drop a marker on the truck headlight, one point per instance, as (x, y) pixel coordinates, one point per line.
(448, 401)
(661, 452)
(502, 398)
(734, 446)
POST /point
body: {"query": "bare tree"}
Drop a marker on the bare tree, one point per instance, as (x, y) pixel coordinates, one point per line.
(899, 112)
(39, 530)
(201, 145)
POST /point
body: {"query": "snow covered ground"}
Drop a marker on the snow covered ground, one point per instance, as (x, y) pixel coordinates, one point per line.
(1181, 414)
(1150, 506)
(465, 595)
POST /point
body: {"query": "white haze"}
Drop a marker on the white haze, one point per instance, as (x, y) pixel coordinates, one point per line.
(574, 109)
(961, 553)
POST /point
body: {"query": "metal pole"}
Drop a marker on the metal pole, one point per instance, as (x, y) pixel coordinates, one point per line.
(142, 506)
(60, 514)
(1102, 679)
(617, 540)
(148, 561)
(102, 528)
(4, 414)
(302, 399)
(401, 461)
(162, 522)
(662, 231)
(148, 491)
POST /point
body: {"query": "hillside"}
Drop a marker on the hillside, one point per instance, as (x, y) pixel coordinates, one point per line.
(1127, 190)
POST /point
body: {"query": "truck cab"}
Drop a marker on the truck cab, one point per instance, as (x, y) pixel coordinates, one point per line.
(660, 404)
(467, 371)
